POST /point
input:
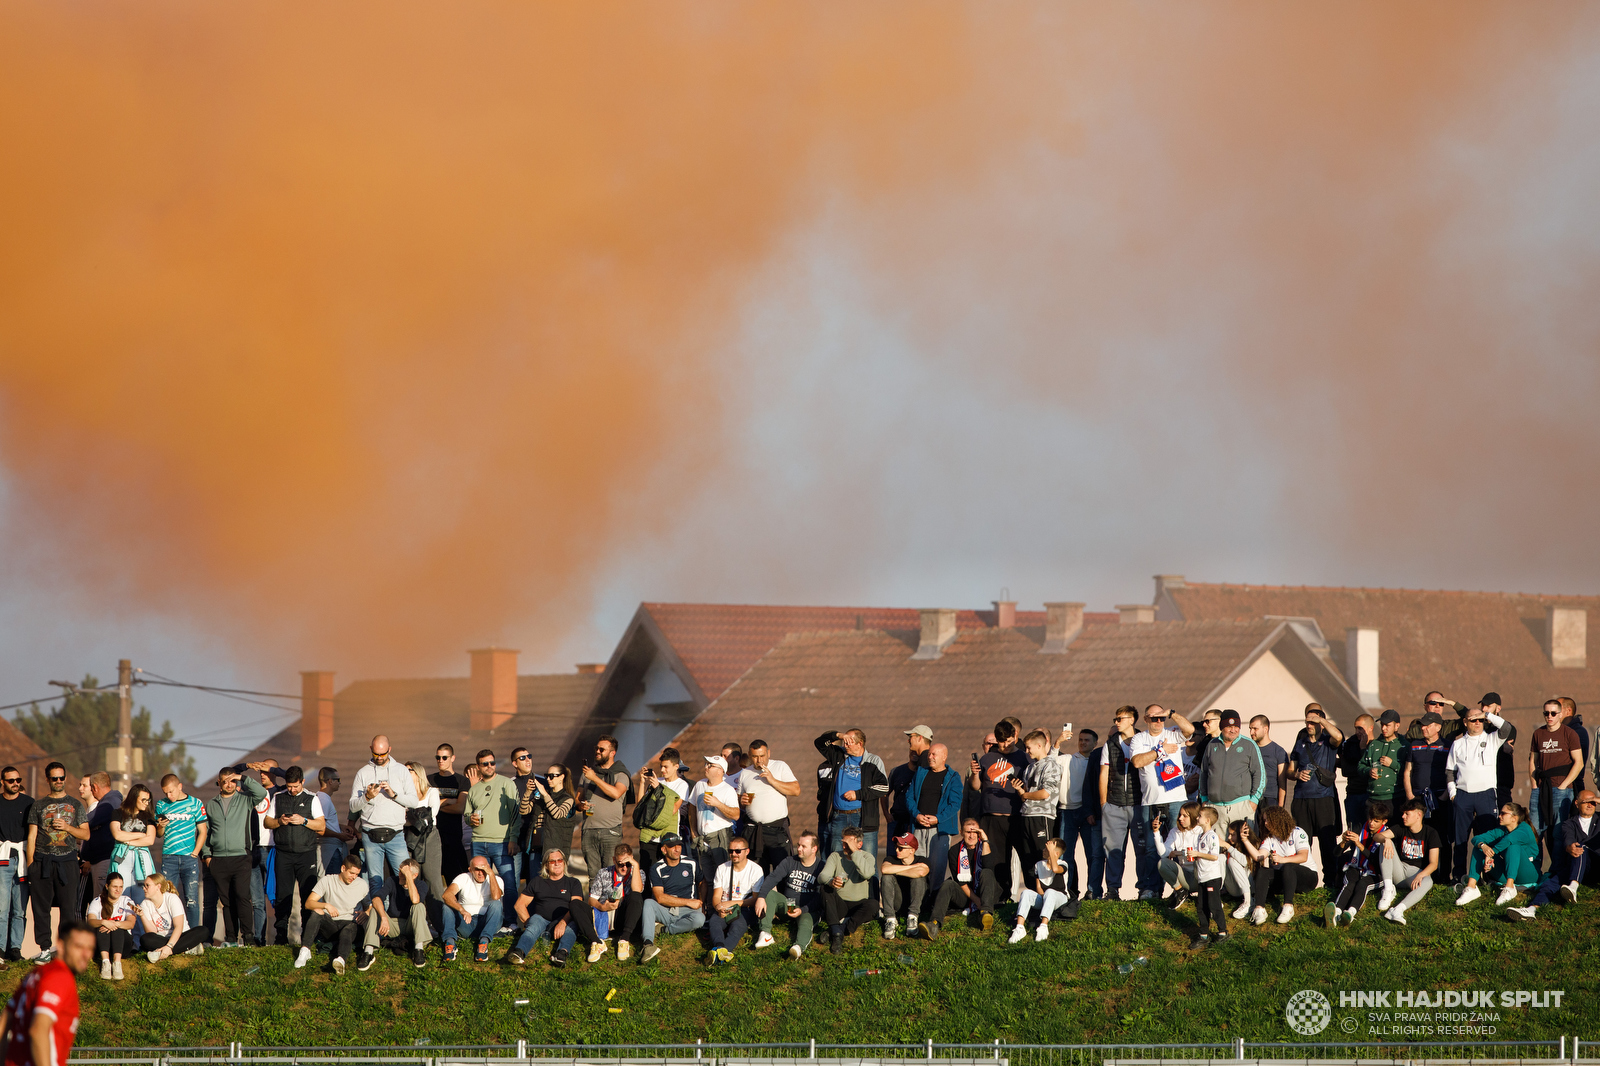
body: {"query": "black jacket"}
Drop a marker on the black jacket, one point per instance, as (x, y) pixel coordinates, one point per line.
(874, 785)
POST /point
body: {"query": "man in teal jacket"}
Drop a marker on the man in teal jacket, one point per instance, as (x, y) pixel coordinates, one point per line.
(227, 850)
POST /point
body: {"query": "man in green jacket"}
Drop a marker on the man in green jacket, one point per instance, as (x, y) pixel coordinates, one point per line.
(1381, 762)
(227, 850)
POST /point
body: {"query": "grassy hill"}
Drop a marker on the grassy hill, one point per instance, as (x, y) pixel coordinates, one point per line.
(964, 987)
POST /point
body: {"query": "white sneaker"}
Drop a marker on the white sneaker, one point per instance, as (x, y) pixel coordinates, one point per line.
(911, 925)
(890, 928)
(764, 940)
(1522, 914)
(105, 969)
(1468, 896)
(1386, 900)
(1242, 910)
(1288, 912)
(1569, 891)
(116, 969)
(1042, 933)
(1017, 934)
(1258, 916)
(1506, 895)
(795, 952)
(597, 950)
(1350, 916)
(1396, 914)
(301, 959)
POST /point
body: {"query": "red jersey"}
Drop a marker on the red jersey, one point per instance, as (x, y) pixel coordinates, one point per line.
(51, 990)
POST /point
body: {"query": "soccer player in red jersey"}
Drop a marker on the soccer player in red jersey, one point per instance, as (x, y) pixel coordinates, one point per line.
(41, 1020)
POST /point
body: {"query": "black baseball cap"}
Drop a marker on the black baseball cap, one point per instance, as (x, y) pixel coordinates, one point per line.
(669, 840)
(1432, 718)
(1490, 699)
(1391, 715)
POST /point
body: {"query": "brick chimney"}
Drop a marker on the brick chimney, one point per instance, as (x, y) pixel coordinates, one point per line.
(1361, 665)
(591, 668)
(938, 630)
(316, 710)
(1567, 636)
(492, 692)
(1137, 614)
(1005, 613)
(1062, 624)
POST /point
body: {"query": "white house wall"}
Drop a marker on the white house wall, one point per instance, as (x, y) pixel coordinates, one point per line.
(652, 717)
(1269, 688)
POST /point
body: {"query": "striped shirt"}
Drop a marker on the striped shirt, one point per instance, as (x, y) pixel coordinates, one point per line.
(182, 818)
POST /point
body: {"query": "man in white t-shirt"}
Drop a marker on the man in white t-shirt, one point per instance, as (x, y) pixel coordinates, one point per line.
(765, 787)
(1157, 753)
(336, 906)
(716, 806)
(473, 905)
(734, 890)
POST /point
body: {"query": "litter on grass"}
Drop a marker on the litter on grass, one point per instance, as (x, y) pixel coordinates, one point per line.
(251, 970)
(905, 960)
(1127, 967)
(614, 1010)
(610, 994)
(868, 973)
(519, 1003)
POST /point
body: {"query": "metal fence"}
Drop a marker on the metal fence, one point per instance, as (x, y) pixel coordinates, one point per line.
(1562, 1052)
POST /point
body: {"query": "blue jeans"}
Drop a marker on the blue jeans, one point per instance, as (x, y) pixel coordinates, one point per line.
(1149, 858)
(534, 931)
(672, 919)
(482, 927)
(838, 822)
(13, 908)
(1560, 801)
(258, 892)
(374, 854)
(505, 863)
(1355, 813)
(1073, 826)
(184, 873)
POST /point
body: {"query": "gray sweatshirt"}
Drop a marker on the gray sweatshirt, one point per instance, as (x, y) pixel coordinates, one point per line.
(858, 871)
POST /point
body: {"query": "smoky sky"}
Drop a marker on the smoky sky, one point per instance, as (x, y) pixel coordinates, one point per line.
(352, 338)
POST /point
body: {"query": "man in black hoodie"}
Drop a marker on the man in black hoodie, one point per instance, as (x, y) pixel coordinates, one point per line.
(791, 888)
(851, 786)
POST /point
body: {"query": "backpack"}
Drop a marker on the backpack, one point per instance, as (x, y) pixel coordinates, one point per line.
(647, 810)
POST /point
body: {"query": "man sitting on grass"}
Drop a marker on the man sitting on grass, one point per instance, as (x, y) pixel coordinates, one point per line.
(411, 895)
(904, 882)
(335, 905)
(848, 879)
(970, 884)
(734, 887)
(792, 887)
(675, 896)
(473, 905)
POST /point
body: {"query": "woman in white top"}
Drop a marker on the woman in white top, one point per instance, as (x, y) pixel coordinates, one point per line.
(134, 830)
(1237, 865)
(431, 850)
(111, 915)
(1283, 864)
(166, 931)
(1051, 874)
(1177, 863)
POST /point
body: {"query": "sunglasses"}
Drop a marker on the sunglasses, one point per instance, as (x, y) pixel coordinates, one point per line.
(1437, 703)
(738, 851)
(486, 762)
(522, 758)
(1547, 714)
(442, 758)
(554, 774)
(13, 780)
(63, 778)
(1155, 718)
(1480, 721)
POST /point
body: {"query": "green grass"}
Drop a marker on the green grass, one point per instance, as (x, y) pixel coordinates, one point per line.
(965, 987)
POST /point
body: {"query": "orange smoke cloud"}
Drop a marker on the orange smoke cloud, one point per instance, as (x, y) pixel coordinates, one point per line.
(351, 332)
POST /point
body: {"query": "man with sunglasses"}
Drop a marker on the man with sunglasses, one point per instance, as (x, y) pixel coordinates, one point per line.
(1472, 770)
(1157, 753)
(734, 889)
(382, 793)
(14, 808)
(492, 812)
(1555, 759)
(1574, 864)
(453, 789)
(56, 824)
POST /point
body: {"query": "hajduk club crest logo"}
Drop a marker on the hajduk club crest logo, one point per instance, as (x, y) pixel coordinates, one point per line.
(1308, 1012)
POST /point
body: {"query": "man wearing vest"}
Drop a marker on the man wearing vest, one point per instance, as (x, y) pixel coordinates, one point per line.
(1120, 800)
(296, 819)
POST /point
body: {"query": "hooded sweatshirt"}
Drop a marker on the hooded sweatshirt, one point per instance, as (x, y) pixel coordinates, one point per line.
(229, 832)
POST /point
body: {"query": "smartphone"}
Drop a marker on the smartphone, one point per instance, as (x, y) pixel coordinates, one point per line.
(974, 756)
(1067, 727)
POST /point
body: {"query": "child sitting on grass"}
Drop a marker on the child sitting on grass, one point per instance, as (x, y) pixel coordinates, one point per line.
(1364, 868)
(1051, 876)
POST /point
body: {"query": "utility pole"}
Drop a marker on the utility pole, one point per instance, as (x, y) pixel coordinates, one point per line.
(125, 723)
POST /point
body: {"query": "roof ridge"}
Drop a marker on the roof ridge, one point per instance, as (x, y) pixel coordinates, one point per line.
(1382, 588)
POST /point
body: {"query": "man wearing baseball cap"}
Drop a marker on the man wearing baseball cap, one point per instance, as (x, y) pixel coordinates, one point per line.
(918, 739)
(1233, 777)
(1381, 761)
(903, 878)
(674, 902)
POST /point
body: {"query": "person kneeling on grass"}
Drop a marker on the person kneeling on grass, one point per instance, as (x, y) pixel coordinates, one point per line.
(1176, 866)
(792, 888)
(971, 886)
(903, 878)
(734, 887)
(1363, 867)
(616, 899)
(1282, 864)
(848, 877)
(473, 905)
(1410, 858)
(553, 901)
(1577, 839)
(1505, 856)
(111, 915)
(336, 905)
(410, 919)
(1209, 871)
(166, 926)
(1049, 891)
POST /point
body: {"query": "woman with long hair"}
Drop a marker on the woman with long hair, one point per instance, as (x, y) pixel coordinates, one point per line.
(559, 802)
(1283, 864)
(428, 850)
(166, 930)
(1503, 856)
(553, 901)
(133, 827)
(1238, 866)
(111, 915)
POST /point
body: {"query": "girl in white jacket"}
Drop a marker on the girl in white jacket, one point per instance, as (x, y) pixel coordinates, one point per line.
(1177, 864)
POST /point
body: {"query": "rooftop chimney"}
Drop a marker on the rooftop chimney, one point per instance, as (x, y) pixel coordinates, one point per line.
(1062, 623)
(492, 692)
(316, 709)
(1567, 636)
(591, 668)
(938, 630)
(1005, 613)
(1137, 614)
(1361, 665)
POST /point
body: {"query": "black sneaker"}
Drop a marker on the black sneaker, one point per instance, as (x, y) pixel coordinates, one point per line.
(836, 943)
(368, 957)
(418, 959)
(929, 930)
(558, 958)
(1198, 941)
(1179, 898)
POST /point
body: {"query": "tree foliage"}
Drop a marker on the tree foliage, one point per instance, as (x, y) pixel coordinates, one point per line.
(77, 733)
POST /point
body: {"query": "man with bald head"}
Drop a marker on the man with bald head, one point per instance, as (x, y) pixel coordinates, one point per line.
(1578, 839)
(382, 793)
(935, 806)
